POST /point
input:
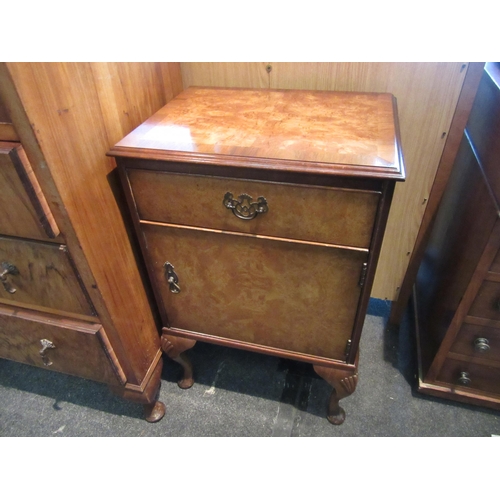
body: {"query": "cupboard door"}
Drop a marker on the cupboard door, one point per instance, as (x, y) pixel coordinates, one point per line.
(24, 209)
(297, 297)
(41, 274)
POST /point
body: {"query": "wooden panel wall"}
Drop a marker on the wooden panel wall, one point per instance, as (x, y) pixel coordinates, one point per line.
(77, 111)
(427, 95)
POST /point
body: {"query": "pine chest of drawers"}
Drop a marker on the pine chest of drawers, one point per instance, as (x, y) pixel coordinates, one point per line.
(261, 214)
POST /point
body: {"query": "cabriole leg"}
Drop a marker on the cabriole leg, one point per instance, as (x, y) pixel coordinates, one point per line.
(174, 348)
(343, 383)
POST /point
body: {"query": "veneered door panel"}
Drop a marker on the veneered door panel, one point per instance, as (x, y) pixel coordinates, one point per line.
(297, 297)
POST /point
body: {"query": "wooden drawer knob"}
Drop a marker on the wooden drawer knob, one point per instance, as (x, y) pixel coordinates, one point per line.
(481, 345)
(243, 207)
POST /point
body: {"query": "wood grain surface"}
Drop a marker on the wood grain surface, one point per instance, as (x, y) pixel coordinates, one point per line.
(336, 216)
(341, 133)
(264, 292)
(427, 95)
(68, 115)
(46, 276)
(81, 349)
(25, 211)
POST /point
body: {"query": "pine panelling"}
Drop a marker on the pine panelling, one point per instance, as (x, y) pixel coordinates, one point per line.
(77, 114)
(129, 93)
(252, 75)
(427, 94)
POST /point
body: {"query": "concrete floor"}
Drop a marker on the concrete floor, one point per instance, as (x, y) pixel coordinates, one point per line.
(238, 393)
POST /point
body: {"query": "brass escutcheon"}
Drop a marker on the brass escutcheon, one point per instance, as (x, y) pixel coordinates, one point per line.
(172, 279)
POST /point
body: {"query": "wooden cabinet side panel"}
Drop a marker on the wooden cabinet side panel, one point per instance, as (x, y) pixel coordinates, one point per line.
(462, 229)
(63, 102)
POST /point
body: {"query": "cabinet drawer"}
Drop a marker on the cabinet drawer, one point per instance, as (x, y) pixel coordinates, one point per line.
(487, 301)
(24, 209)
(292, 296)
(481, 377)
(72, 347)
(41, 274)
(7, 130)
(495, 265)
(479, 342)
(319, 214)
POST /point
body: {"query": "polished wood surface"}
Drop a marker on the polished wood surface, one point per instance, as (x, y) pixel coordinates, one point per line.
(464, 344)
(457, 290)
(25, 211)
(482, 378)
(7, 130)
(427, 95)
(336, 216)
(460, 233)
(344, 384)
(450, 151)
(326, 132)
(46, 276)
(81, 349)
(483, 126)
(285, 295)
(65, 100)
(295, 280)
(487, 301)
(66, 116)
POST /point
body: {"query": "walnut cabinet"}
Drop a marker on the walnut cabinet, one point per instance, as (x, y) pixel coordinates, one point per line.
(261, 214)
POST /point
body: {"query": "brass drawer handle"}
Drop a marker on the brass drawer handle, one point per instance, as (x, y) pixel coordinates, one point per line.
(481, 345)
(243, 207)
(6, 269)
(464, 379)
(46, 344)
(172, 279)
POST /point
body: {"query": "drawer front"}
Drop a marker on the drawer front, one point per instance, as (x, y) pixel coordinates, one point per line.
(7, 130)
(41, 274)
(326, 215)
(68, 346)
(487, 301)
(478, 342)
(24, 209)
(478, 377)
(297, 297)
(495, 266)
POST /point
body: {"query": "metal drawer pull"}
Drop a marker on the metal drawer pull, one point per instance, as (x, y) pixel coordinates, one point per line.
(244, 208)
(8, 268)
(46, 344)
(482, 345)
(173, 280)
(464, 379)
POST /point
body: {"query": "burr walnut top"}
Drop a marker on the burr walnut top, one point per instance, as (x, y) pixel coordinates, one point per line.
(340, 133)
